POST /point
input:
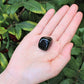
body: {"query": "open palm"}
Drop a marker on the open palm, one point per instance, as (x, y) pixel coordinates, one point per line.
(35, 65)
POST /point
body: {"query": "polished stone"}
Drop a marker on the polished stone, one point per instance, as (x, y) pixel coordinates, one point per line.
(44, 43)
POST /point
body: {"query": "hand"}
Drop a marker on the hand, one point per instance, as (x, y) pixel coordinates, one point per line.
(34, 65)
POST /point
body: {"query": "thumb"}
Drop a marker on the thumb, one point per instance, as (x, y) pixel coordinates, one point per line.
(60, 61)
(66, 53)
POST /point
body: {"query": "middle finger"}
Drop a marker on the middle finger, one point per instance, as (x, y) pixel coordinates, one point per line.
(54, 21)
(65, 22)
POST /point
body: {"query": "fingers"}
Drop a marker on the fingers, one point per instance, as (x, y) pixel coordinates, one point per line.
(64, 22)
(71, 30)
(40, 26)
(55, 20)
(60, 61)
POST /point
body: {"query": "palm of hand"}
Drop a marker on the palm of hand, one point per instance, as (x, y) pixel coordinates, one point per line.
(38, 65)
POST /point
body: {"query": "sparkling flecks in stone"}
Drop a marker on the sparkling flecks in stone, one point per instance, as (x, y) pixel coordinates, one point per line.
(44, 43)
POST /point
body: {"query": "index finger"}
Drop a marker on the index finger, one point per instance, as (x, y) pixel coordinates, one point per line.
(71, 30)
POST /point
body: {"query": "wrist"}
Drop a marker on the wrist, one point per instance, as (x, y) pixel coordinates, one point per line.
(7, 77)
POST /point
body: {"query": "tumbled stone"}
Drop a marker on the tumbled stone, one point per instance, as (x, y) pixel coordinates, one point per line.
(44, 43)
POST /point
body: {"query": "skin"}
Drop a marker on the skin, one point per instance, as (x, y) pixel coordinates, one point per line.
(31, 65)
